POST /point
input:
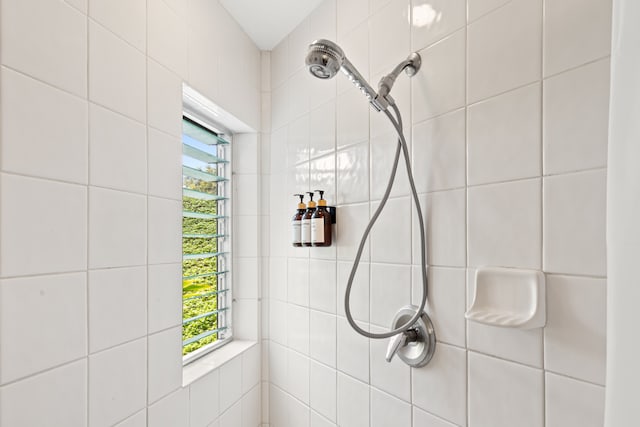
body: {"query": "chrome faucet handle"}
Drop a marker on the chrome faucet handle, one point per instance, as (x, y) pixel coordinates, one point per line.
(398, 341)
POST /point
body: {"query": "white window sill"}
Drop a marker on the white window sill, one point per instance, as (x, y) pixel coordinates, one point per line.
(212, 361)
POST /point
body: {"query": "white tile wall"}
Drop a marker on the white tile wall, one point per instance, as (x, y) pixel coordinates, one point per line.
(42, 296)
(122, 291)
(45, 130)
(506, 123)
(91, 129)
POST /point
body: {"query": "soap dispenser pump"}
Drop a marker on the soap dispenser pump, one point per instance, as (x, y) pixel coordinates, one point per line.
(321, 223)
(296, 222)
(306, 221)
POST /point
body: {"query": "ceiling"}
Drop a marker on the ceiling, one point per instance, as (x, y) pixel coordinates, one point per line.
(267, 22)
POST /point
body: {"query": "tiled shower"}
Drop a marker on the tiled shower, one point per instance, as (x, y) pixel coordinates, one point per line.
(507, 123)
(507, 127)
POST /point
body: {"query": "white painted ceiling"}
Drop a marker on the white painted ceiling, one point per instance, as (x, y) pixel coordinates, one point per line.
(267, 22)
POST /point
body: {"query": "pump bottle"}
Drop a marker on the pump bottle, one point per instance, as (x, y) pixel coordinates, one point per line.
(306, 221)
(321, 223)
(296, 222)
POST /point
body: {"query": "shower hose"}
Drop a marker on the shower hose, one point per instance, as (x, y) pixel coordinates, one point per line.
(402, 145)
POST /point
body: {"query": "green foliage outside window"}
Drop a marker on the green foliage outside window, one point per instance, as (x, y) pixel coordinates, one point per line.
(193, 287)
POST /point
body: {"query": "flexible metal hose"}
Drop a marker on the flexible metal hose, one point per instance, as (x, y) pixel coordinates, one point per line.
(402, 145)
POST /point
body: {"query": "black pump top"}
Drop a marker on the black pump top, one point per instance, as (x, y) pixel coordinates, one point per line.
(301, 205)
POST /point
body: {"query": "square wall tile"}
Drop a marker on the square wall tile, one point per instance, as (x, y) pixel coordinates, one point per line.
(52, 42)
(352, 221)
(355, 44)
(504, 141)
(505, 225)
(440, 87)
(278, 321)
(122, 291)
(391, 236)
(299, 91)
(505, 49)
(298, 328)
(445, 225)
(230, 373)
(165, 363)
(164, 296)
(441, 387)
(438, 152)
(389, 47)
(278, 406)
(576, 113)
(245, 231)
(117, 74)
(246, 278)
(322, 285)
(117, 140)
(359, 299)
(250, 368)
(353, 402)
(56, 321)
(44, 130)
(298, 42)
(298, 141)
(575, 32)
(352, 174)
(504, 394)
(323, 388)
(445, 302)
(57, 397)
(245, 319)
(575, 334)
(165, 99)
(165, 165)
(117, 383)
(383, 148)
(167, 37)
(390, 289)
(165, 231)
(574, 223)
(81, 5)
(203, 399)
(323, 337)
(171, 411)
(573, 403)
(352, 118)
(386, 410)
(118, 228)
(298, 376)
(251, 408)
(50, 213)
(130, 26)
(298, 281)
(434, 19)
(353, 352)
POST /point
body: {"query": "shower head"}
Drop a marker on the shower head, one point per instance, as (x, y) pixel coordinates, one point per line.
(325, 58)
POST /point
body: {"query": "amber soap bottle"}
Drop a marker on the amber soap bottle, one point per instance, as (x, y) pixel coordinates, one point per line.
(306, 221)
(296, 222)
(321, 223)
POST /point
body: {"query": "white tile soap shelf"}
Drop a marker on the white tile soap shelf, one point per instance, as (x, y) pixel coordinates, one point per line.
(508, 297)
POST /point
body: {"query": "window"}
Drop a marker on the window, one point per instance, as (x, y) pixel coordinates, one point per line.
(206, 242)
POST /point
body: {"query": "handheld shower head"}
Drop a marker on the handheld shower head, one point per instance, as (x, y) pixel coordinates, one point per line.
(324, 59)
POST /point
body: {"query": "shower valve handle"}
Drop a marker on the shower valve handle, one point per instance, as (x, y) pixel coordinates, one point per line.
(398, 341)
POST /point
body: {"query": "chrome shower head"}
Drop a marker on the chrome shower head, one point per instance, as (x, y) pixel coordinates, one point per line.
(324, 59)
